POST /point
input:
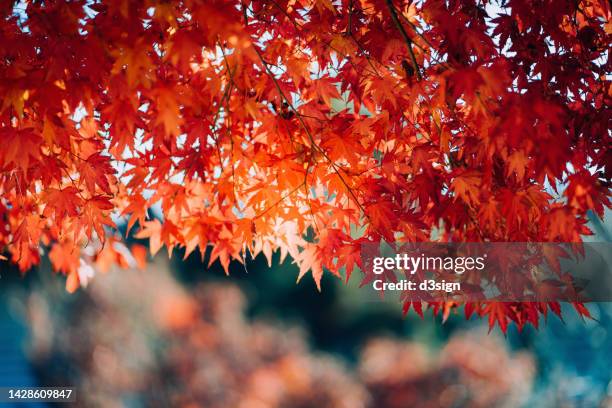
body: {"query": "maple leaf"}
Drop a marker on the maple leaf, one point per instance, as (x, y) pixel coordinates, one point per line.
(135, 61)
(225, 250)
(326, 91)
(382, 217)
(349, 256)
(184, 49)
(96, 215)
(467, 186)
(343, 148)
(416, 306)
(489, 213)
(19, 148)
(95, 171)
(308, 260)
(382, 90)
(498, 313)
(124, 118)
(517, 163)
(169, 113)
(62, 202)
(152, 230)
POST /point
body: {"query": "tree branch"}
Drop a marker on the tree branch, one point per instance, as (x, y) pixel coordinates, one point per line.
(407, 39)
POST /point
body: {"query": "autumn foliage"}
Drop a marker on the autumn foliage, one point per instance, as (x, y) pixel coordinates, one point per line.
(303, 126)
(107, 343)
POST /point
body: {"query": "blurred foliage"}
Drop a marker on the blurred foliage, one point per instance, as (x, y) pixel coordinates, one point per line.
(150, 342)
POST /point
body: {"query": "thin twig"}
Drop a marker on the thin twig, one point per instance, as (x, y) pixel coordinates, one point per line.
(407, 39)
(307, 131)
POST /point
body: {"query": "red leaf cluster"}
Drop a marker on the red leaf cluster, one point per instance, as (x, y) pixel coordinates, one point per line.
(304, 126)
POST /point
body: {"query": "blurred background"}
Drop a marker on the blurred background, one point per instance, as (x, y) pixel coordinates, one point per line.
(181, 334)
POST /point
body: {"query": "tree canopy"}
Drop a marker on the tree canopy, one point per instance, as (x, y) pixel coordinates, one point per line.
(301, 126)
